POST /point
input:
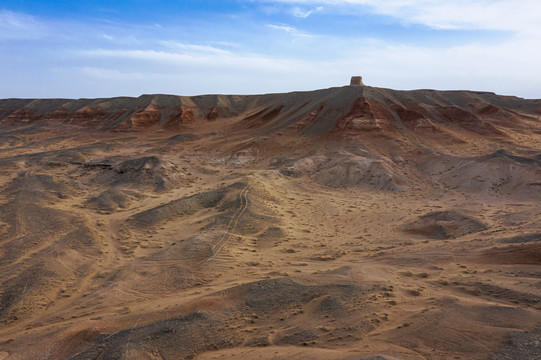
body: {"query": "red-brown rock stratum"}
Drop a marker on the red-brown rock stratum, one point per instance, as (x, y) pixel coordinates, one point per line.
(345, 223)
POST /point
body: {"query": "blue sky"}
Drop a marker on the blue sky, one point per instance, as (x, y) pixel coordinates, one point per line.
(127, 48)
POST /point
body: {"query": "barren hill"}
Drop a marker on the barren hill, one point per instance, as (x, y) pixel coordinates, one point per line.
(350, 222)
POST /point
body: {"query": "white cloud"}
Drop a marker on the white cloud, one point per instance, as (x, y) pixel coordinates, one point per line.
(108, 74)
(227, 60)
(510, 15)
(473, 67)
(18, 26)
(289, 29)
(108, 37)
(285, 28)
(192, 47)
(298, 12)
(465, 67)
(92, 62)
(186, 73)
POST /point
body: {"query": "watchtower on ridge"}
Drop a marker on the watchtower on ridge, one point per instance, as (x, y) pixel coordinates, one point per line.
(356, 81)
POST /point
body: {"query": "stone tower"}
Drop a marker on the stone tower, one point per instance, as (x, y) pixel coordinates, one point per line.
(356, 81)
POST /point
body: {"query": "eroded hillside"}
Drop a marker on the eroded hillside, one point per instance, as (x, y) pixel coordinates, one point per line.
(338, 223)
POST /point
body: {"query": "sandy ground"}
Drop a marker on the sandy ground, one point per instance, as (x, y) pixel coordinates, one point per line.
(219, 240)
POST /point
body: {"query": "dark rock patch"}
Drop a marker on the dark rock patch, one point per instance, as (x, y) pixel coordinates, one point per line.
(444, 225)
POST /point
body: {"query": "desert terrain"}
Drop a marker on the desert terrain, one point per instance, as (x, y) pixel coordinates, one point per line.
(345, 223)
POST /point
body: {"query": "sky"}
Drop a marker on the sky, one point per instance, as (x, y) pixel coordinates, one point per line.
(98, 48)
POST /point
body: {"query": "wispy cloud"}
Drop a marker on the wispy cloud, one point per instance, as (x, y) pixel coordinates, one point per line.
(190, 72)
(300, 13)
(285, 28)
(510, 15)
(192, 47)
(108, 37)
(225, 60)
(382, 64)
(289, 29)
(18, 26)
(271, 52)
(108, 74)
